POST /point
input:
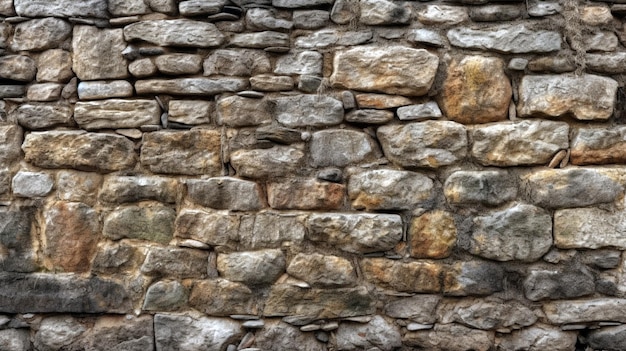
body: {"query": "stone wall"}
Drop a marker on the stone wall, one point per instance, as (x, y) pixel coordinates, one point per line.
(312, 175)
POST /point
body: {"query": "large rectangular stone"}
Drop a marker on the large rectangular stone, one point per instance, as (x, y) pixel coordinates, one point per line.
(190, 86)
(582, 311)
(176, 32)
(116, 113)
(589, 228)
(61, 8)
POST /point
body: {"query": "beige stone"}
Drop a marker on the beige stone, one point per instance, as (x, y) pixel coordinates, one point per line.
(116, 113)
(266, 163)
(190, 111)
(414, 276)
(433, 235)
(176, 32)
(98, 53)
(450, 337)
(305, 194)
(381, 101)
(322, 270)
(596, 15)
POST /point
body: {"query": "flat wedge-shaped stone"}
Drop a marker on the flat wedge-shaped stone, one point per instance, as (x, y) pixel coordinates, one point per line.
(260, 40)
(116, 113)
(190, 86)
(585, 97)
(177, 32)
(589, 228)
(510, 39)
(582, 311)
(79, 150)
(61, 8)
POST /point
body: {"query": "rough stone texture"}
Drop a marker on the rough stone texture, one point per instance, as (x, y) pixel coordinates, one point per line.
(116, 113)
(589, 310)
(322, 270)
(502, 314)
(608, 338)
(56, 332)
(177, 262)
(189, 111)
(383, 12)
(212, 228)
(40, 34)
(100, 53)
(442, 14)
(78, 186)
(14, 339)
(191, 332)
(165, 296)
(236, 63)
(476, 90)
(511, 39)
(62, 8)
(281, 336)
(473, 278)
(104, 89)
(420, 111)
(178, 64)
(598, 146)
(539, 337)
(190, 86)
(151, 223)
(326, 38)
(391, 70)
(220, 297)
(16, 241)
(177, 32)
(432, 235)
(266, 163)
(579, 228)
(341, 147)
(226, 193)
(305, 194)
(387, 189)
(31, 184)
(17, 67)
(518, 143)
(128, 7)
(121, 189)
(484, 187)
(11, 137)
(304, 111)
(585, 97)
(237, 111)
(550, 284)
(429, 144)
(450, 337)
(416, 276)
(305, 62)
(271, 230)
(420, 308)
(378, 334)
(260, 40)
(252, 268)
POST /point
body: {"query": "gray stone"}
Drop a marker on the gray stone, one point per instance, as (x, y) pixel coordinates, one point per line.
(514, 39)
(226, 193)
(280, 336)
(304, 111)
(212, 228)
(12, 91)
(44, 92)
(501, 314)
(113, 258)
(377, 334)
(15, 340)
(78, 186)
(32, 184)
(120, 333)
(5, 181)
(153, 223)
(386, 189)
(309, 84)
(473, 278)
(176, 262)
(237, 111)
(495, 13)
(120, 8)
(61, 8)
(17, 67)
(292, 4)
(99, 53)
(220, 297)
(40, 34)
(305, 194)
(238, 62)
(190, 86)
(419, 112)
(179, 64)
(442, 14)
(344, 11)
(6, 8)
(383, 12)
(95, 90)
(164, 6)
(484, 187)
(612, 63)
(142, 68)
(266, 82)
(369, 116)
(544, 8)
(279, 134)
(267, 163)
(190, 112)
(16, 242)
(252, 268)
(265, 19)
(602, 259)
(322, 270)
(387, 69)
(11, 137)
(310, 19)
(608, 338)
(194, 332)
(42, 116)
(583, 311)
(340, 148)
(357, 233)
(165, 296)
(557, 284)
(304, 62)
(586, 97)
(420, 308)
(56, 332)
(430, 144)
(176, 32)
(579, 228)
(260, 40)
(116, 113)
(603, 41)
(199, 7)
(450, 337)
(518, 64)
(539, 337)
(572, 187)
(271, 230)
(519, 143)
(121, 189)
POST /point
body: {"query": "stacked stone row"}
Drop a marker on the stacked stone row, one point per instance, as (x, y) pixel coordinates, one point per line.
(312, 174)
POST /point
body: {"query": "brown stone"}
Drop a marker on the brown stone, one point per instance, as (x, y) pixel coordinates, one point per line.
(433, 235)
(476, 90)
(381, 101)
(221, 297)
(322, 270)
(305, 194)
(414, 276)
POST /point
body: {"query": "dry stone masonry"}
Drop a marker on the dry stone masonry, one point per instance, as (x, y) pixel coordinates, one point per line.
(319, 175)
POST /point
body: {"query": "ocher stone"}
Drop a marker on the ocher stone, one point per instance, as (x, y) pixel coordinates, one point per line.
(221, 297)
(501, 314)
(116, 113)
(305, 194)
(154, 223)
(377, 334)
(555, 64)
(381, 101)
(322, 270)
(237, 62)
(507, 39)
(450, 337)
(190, 86)
(558, 284)
(386, 189)
(44, 92)
(226, 193)
(182, 152)
(415, 276)
(190, 111)
(266, 163)
(40, 34)
(98, 53)
(308, 111)
(165, 296)
(485, 187)
(41, 116)
(176, 262)
(193, 332)
(539, 337)
(142, 68)
(17, 67)
(596, 15)
(473, 278)
(583, 311)
(176, 32)
(252, 268)
(383, 12)
(338, 148)
(62, 8)
(212, 228)
(476, 90)
(237, 111)
(579, 228)
(433, 235)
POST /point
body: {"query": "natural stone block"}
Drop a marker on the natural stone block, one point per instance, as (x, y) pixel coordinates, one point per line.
(608, 338)
(476, 90)
(327, 38)
(429, 144)
(56, 332)
(190, 86)
(6, 8)
(153, 223)
(191, 332)
(381, 101)
(176, 32)
(15, 339)
(286, 300)
(369, 116)
(427, 37)
(502, 314)
(558, 284)
(378, 334)
(450, 337)
(44, 92)
(442, 14)
(484, 187)
(572, 187)
(121, 189)
(522, 232)
(12, 91)
(310, 19)
(473, 278)
(96, 90)
(98, 53)
(420, 308)
(584, 311)
(179, 64)
(539, 337)
(226, 193)
(596, 15)
(303, 62)
(611, 63)
(432, 235)
(383, 12)
(265, 19)
(386, 189)
(40, 34)
(585, 97)
(579, 228)
(237, 111)
(341, 147)
(604, 41)
(118, 257)
(116, 113)
(220, 297)
(357, 233)
(120, 332)
(54, 65)
(516, 39)
(176, 262)
(190, 152)
(267, 163)
(237, 62)
(260, 40)
(11, 137)
(212, 228)
(554, 64)
(79, 150)
(388, 69)
(190, 112)
(271, 230)
(31, 184)
(322, 270)
(18, 67)
(305, 194)
(16, 241)
(42, 116)
(598, 146)
(128, 7)
(165, 296)
(252, 268)
(167, 7)
(519, 143)
(495, 13)
(266, 82)
(280, 336)
(413, 276)
(142, 68)
(61, 8)
(308, 111)
(78, 186)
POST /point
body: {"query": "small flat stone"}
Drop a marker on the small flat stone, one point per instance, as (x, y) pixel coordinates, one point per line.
(381, 101)
(326, 38)
(495, 13)
(596, 15)
(190, 86)
(44, 92)
(190, 112)
(63, 8)
(310, 19)
(588, 310)
(42, 116)
(255, 324)
(251, 94)
(265, 19)
(607, 62)
(419, 112)
(271, 83)
(95, 90)
(40, 34)
(305, 194)
(383, 12)
(544, 8)
(427, 37)
(340, 148)
(175, 262)
(518, 64)
(237, 111)
(190, 8)
(179, 64)
(558, 284)
(267, 163)
(578, 228)
(369, 116)
(152, 223)
(554, 64)
(122, 189)
(377, 334)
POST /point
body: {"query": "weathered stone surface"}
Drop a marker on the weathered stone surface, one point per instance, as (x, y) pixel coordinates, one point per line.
(61, 293)
(310, 19)
(6, 8)
(220, 297)
(340, 148)
(238, 62)
(358, 233)
(40, 34)
(305, 194)
(100, 53)
(386, 189)
(414, 276)
(579, 228)
(557, 284)
(44, 92)
(522, 232)
(369, 116)
(5, 180)
(12, 91)
(299, 3)
(265, 19)
(116, 113)
(377, 334)
(607, 63)
(212, 228)
(326, 38)
(383, 12)
(15, 339)
(41, 116)
(472, 312)
(11, 137)
(280, 336)
(165, 296)
(432, 235)
(604, 42)
(128, 7)
(266, 163)
(182, 152)
(176, 262)
(31, 184)
(484, 187)
(260, 40)
(176, 32)
(266, 82)
(77, 186)
(199, 7)
(62, 8)
(95, 90)
(121, 189)
(426, 36)
(322, 270)
(237, 111)
(589, 310)
(194, 332)
(450, 337)
(585, 97)
(190, 86)
(190, 111)
(390, 69)
(164, 6)
(608, 338)
(253, 267)
(544, 8)
(271, 230)
(473, 278)
(476, 90)
(519, 143)
(120, 332)
(17, 67)
(420, 308)
(16, 242)
(142, 68)
(286, 300)
(539, 337)
(572, 187)
(494, 13)
(514, 39)
(56, 332)
(596, 15)
(179, 64)
(113, 258)
(381, 101)
(304, 62)
(154, 223)
(429, 144)
(304, 111)
(79, 150)
(442, 14)
(226, 193)
(553, 64)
